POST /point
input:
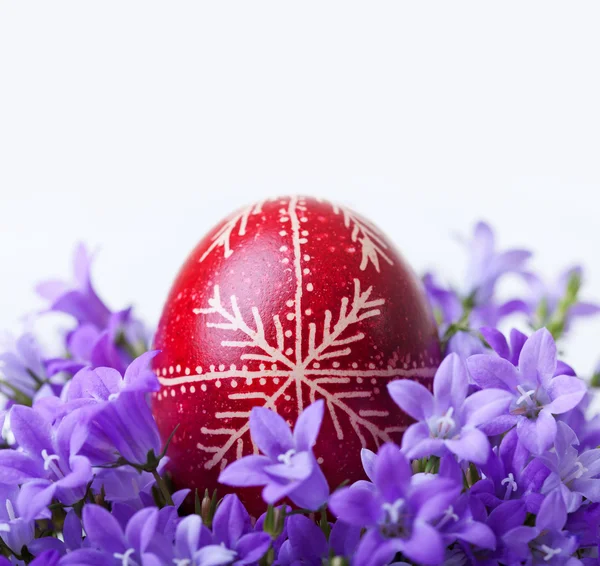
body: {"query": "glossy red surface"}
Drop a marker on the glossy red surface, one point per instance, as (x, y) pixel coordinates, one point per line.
(288, 301)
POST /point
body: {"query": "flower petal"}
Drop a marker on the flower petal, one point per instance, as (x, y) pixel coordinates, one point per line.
(496, 340)
(553, 513)
(472, 446)
(307, 539)
(367, 458)
(231, 521)
(246, 472)
(483, 406)
(31, 431)
(538, 357)
(566, 392)
(412, 397)
(308, 426)
(102, 529)
(490, 371)
(539, 434)
(355, 506)
(392, 472)
(451, 381)
(270, 432)
(425, 545)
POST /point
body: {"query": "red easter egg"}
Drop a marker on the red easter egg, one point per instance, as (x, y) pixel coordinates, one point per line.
(288, 301)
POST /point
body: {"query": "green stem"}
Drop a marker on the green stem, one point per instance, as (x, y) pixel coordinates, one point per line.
(160, 482)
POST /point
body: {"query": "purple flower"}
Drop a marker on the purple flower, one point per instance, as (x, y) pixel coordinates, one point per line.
(398, 510)
(546, 543)
(545, 300)
(537, 394)
(141, 543)
(486, 265)
(77, 299)
(72, 533)
(448, 420)
(119, 416)
(307, 544)
(15, 531)
(103, 338)
(48, 463)
(288, 467)
(511, 473)
(501, 520)
(231, 542)
(574, 475)
(22, 368)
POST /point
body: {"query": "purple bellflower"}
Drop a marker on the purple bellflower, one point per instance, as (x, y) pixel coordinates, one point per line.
(231, 542)
(78, 299)
(140, 544)
(288, 467)
(15, 531)
(398, 511)
(47, 464)
(307, 544)
(510, 473)
(547, 542)
(22, 368)
(486, 265)
(448, 420)
(121, 422)
(537, 394)
(545, 300)
(574, 475)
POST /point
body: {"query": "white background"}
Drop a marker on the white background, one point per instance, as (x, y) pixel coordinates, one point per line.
(135, 127)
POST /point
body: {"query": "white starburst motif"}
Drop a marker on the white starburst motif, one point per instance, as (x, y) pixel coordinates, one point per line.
(295, 373)
(368, 236)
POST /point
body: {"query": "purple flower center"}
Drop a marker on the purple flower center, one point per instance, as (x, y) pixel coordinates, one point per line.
(443, 426)
(394, 524)
(511, 485)
(125, 557)
(449, 514)
(529, 403)
(576, 472)
(548, 552)
(287, 457)
(50, 463)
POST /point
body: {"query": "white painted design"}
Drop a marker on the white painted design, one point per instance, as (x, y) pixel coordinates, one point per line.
(283, 363)
(222, 238)
(368, 236)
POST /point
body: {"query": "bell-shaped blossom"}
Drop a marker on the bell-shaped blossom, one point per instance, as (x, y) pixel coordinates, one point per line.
(119, 416)
(501, 520)
(78, 298)
(231, 542)
(48, 463)
(399, 511)
(486, 265)
(22, 368)
(15, 531)
(537, 393)
(72, 538)
(307, 544)
(544, 299)
(511, 473)
(448, 420)
(573, 474)
(140, 543)
(547, 542)
(288, 467)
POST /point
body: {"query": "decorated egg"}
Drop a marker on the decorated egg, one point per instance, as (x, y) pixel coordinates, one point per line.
(287, 301)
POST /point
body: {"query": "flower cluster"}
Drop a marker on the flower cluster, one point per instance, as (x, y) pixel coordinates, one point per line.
(500, 466)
